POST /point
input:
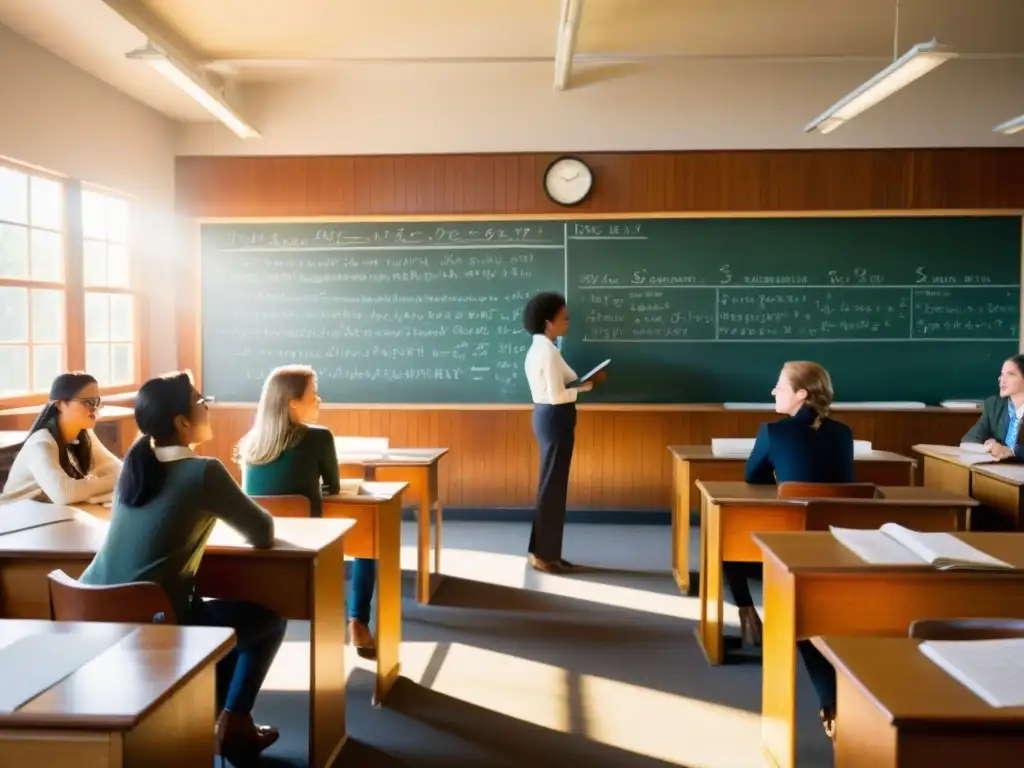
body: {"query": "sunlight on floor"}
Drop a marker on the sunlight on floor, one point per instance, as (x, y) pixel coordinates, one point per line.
(290, 671)
(669, 727)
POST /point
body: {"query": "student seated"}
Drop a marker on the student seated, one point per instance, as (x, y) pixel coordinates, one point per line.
(166, 504)
(284, 454)
(62, 460)
(806, 446)
(998, 427)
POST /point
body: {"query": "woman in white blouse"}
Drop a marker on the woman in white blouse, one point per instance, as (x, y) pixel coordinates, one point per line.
(552, 387)
(62, 461)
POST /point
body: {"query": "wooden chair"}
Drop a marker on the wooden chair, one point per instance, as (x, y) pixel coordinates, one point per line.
(141, 602)
(793, 490)
(966, 629)
(284, 506)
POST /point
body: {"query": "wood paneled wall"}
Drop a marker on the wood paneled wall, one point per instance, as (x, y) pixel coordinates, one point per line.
(621, 461)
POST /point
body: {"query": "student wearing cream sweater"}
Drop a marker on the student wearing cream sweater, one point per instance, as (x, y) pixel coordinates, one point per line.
(62, 461)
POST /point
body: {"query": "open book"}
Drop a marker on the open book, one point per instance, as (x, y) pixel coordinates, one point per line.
(975, 453)
(893, 544)
(993, 670)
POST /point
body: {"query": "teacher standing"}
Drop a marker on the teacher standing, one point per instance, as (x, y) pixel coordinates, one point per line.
(546, 318)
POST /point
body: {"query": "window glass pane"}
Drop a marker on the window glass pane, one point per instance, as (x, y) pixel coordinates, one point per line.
(97, 317)
(47, 316)
(13, 251)
(47, 203)
(94, 258)
(118, 269)
(47, 256)
(122, 326)
(117, 220)
(13, 371)
(97, 362)
(94, 215)
(47, 364)
(13, 195)
(13, 314)
(122, 363)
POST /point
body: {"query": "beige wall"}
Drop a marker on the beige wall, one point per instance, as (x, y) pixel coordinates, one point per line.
(57, 117)
(441, 108)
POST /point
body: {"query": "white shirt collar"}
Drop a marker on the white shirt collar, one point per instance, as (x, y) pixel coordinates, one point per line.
(173, 453)
(540, 338)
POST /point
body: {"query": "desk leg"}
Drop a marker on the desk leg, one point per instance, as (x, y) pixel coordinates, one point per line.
(438, 511)
(778, 667)
(711, 637)
(388, 632)
(327, 734)
(681, 525)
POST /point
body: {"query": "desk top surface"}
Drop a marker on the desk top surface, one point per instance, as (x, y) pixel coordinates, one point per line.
(12, 438)
(906, 684)
(393, 457)
(724, 492)
(20, 515)
(704, 453)
(82, 536)
(1012, 473)
(149, 663)
(820, 552)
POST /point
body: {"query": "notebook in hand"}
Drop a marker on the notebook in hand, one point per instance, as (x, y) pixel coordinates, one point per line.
(993, 670)
(893, 544)
(589, 375)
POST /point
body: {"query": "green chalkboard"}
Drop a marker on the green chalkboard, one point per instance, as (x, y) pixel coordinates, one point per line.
(689, 310)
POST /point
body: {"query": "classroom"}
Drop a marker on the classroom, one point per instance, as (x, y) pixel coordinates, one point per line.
(525, 382)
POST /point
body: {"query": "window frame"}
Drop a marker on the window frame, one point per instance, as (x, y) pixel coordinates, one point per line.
(74, 289)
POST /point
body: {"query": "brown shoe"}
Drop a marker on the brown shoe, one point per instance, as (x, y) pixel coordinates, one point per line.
(241, 741)
(545, 566)
(361, 637)
(750, 626)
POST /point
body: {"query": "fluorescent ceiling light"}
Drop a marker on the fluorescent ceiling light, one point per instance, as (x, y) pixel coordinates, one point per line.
(915, 63)
(195, 87)
(1016, 125)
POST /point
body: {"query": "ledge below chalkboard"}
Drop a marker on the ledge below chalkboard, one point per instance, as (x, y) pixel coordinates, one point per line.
(626, 407)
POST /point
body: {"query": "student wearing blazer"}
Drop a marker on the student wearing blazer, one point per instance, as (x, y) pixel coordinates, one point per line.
(999, 426)
(805, 446)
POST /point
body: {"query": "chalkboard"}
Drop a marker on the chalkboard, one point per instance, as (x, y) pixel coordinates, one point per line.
(689, 310)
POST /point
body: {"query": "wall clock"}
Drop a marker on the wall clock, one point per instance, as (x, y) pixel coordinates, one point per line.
(568, 181)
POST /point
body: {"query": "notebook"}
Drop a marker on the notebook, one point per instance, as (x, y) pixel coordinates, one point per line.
(993, 670)
(975, 453)
(892, 544)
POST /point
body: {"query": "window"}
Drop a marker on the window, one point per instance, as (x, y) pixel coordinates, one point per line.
(110, 302)
(32, 281)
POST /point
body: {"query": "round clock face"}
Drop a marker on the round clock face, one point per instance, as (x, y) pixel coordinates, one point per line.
(568, 181)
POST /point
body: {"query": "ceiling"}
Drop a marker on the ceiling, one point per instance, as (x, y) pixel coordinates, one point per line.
(270, 39)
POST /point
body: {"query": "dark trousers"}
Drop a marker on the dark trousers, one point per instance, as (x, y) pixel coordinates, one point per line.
(554, 427)
(259, 633)
(823, 675)
(360, 590)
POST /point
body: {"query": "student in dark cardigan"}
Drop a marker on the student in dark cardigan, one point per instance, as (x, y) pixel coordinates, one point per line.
(165, 506)
(286, 453)
(998, 427)
(806, 446)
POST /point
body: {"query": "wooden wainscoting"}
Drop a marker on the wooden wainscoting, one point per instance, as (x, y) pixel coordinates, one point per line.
(621, 459)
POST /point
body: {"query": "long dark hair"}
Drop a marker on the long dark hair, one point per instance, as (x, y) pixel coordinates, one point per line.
(75, 457)
(159, 402)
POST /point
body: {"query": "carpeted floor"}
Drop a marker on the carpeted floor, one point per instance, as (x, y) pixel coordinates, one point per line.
(510, 667)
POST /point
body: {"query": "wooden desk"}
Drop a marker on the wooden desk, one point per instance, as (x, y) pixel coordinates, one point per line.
(691, 463)
(417, 467)
(22, 515)
(377, 534)
(731, 512)
(900, 710)
(943, 468)
(160, 714)
(301, 577)
(813, 585)
(1000, 487)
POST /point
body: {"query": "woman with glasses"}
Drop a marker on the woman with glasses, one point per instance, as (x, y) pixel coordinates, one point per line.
(62, 461)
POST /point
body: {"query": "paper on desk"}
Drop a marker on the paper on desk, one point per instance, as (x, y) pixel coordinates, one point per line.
(372, 446)
(970, 405)
(993, 670)
(732, 446)
(35, 663)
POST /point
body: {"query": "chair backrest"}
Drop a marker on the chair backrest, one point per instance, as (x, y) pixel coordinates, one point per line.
(285, 506)
(966, 629)
(141, 602)
(793, 490)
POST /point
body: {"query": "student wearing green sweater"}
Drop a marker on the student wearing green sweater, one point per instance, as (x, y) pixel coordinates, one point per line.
(166, 503)
(285, 454)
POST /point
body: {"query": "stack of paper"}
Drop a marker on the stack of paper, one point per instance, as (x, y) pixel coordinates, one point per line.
(992, 669)
(732, 446)
(963, 404)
